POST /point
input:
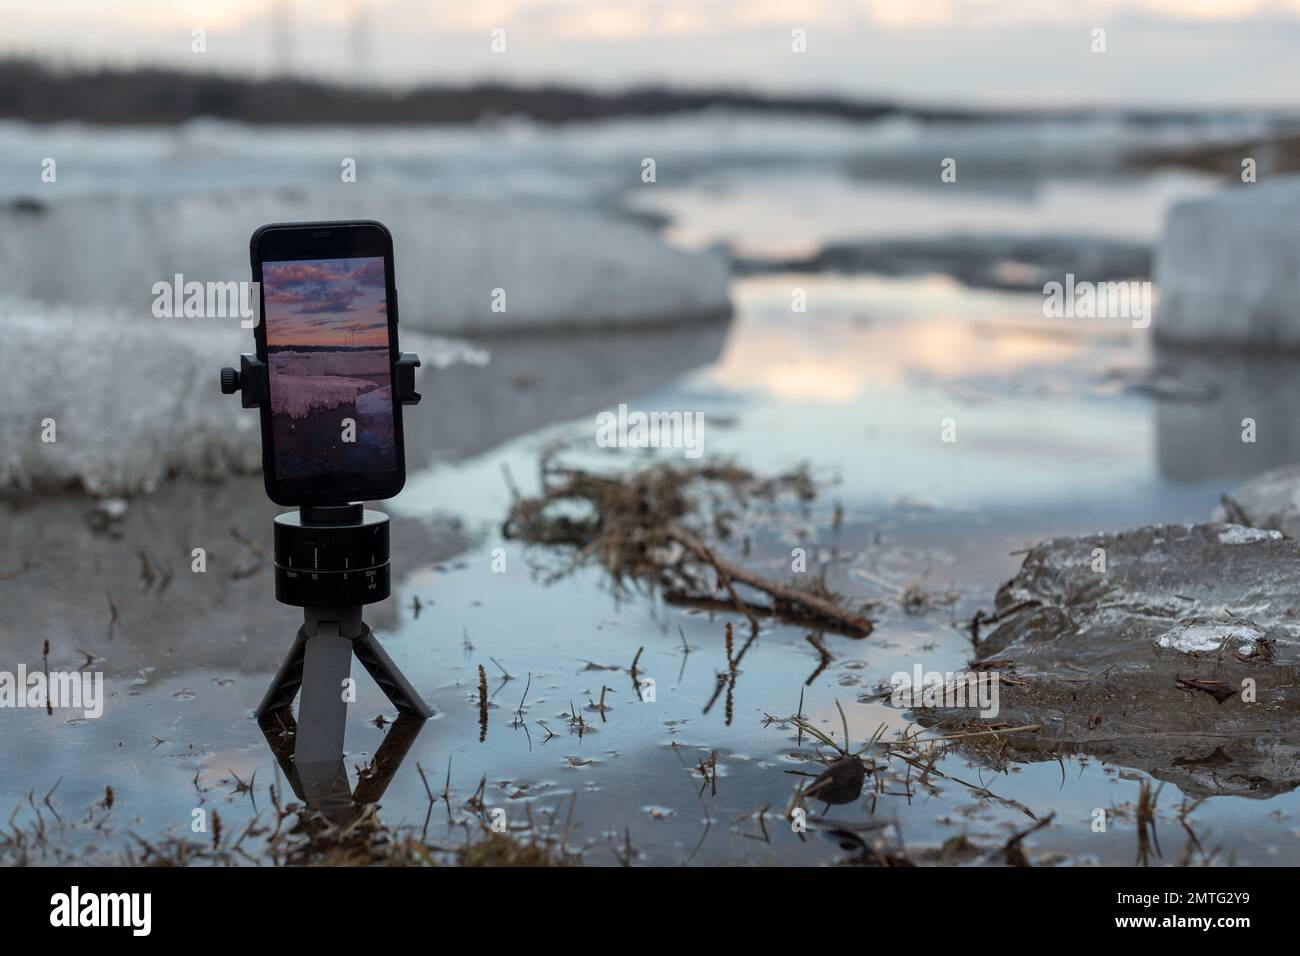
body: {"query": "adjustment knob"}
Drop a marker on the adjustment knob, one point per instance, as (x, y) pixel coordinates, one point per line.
(229, 381)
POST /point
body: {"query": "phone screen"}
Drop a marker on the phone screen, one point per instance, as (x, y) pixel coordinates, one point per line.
(330, 367)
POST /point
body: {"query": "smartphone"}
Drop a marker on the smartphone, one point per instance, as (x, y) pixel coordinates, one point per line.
(331, 427)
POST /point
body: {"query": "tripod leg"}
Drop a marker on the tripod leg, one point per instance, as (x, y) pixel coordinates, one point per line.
(390, 680)
(389, 756)
(323, 713)
(325, 789)
(280, 695)
(280, 730)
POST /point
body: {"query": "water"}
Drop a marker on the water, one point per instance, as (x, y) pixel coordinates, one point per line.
(1052, 439)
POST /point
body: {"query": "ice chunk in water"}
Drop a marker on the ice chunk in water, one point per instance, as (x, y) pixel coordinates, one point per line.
(557, 265)
(132, 399)
(1226, 268)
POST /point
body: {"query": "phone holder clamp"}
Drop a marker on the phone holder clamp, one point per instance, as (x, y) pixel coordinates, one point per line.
(252, 379)
(404, 378)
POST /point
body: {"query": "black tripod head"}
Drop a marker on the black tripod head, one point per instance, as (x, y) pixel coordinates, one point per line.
(331, 555)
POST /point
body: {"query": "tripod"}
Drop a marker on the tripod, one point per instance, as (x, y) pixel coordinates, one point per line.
(330, 560)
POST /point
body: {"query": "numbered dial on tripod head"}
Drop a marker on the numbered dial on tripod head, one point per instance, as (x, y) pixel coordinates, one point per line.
(341, 561)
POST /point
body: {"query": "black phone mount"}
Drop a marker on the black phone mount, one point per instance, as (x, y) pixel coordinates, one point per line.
(252, 375)
(330, 560)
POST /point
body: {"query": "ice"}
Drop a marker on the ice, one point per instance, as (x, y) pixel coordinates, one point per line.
(299, 395)
(352, 362)
(1187, 642)
(376, 403)
(134, 399)
(1228, 270)
(556, 265)
(1236, 534)
(1209, 637)
(1270, 500)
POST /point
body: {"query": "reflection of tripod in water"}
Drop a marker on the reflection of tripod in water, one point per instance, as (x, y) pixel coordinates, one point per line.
(323, 786)
(330, 560)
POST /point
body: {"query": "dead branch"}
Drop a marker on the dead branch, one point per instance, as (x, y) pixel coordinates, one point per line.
(636, 527)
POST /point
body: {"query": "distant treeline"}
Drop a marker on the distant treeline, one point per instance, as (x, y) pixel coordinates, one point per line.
(33, 91)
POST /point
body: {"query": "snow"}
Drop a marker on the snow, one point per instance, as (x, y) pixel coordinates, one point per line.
(1228, 270)
(559, 265)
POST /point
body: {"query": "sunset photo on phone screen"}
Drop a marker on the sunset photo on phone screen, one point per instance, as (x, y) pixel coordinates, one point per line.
(330, 382)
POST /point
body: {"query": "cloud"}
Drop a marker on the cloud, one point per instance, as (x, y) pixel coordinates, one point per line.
(1196, 52)
(325, 299)
(321, 286)
(632, 19)
(369, 274)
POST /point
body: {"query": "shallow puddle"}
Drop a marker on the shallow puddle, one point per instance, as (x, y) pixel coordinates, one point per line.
(1053, 437)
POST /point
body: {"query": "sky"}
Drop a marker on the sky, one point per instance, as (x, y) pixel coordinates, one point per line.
(971, 52)
(326, 302)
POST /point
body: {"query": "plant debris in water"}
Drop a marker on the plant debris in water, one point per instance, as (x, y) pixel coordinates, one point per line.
(648, 528)
(320, 832)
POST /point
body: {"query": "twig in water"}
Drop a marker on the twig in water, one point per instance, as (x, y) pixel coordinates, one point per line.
(636, 686)
(1146, 822)
(824, 655)
(482, 704)
(519, 711)
(505, 674)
